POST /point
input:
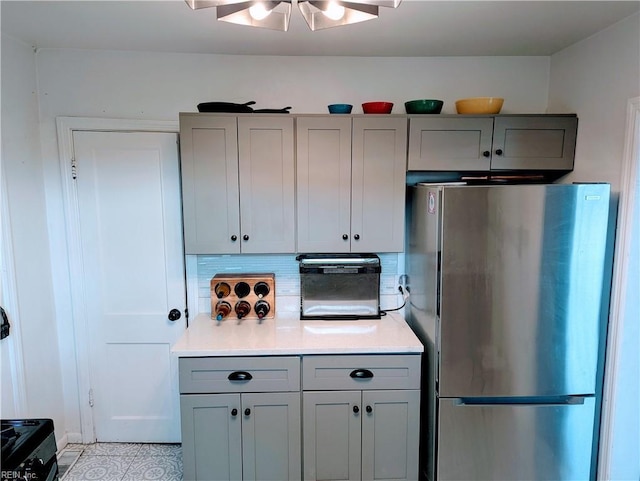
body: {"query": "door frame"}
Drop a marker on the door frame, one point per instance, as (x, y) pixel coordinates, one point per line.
(9, 300)
(628, 193)
(79, 403)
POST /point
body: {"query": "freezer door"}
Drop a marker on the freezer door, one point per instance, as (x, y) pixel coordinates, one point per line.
(521, 289)
(515, 442)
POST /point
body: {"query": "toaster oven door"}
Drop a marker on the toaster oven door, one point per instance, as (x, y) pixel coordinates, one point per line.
(340, 288)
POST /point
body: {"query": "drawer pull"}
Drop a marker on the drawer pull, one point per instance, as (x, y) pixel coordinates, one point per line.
(361, 374)
(240, 376)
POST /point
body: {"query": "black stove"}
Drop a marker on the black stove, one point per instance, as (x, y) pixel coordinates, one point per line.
(28, 450)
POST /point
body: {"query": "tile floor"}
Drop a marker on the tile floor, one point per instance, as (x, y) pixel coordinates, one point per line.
(121, 462)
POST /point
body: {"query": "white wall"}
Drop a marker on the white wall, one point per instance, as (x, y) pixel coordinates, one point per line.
(23, 171)
(595, 78)
(156, 86)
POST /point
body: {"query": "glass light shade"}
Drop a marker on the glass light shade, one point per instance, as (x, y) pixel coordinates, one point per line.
(198, 4)
(334, 11)
(316, 18)
(240, 13)
(379, 3)
(259, 11)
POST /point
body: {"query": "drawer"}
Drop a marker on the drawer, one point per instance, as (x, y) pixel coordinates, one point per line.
(239, 374)
(321, 373)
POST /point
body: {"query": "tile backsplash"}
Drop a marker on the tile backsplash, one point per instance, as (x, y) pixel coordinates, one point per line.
(285, 268)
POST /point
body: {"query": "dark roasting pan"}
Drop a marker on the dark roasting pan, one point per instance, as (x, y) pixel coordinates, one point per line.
(284, 110)
(225, 107)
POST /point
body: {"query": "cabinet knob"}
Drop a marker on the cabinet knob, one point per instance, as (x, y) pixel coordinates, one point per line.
(369, 409)
(174, 315)
(498, 151)
(486, 153)
(247, 412)
(356, 237)
(345, 237)
(234, 238)
(245, 237)
(234, 412)
(356, 409)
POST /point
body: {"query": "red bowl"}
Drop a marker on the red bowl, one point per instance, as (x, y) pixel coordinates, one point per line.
(377, 107)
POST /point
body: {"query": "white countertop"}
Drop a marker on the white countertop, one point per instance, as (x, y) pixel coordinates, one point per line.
(288, 335)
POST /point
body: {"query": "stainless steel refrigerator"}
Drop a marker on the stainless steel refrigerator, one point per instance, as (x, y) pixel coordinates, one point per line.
(507, 292)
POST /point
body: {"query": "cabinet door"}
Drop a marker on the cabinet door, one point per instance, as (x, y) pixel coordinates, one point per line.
(324, 183)
(332, 436)
(209, 165)
(390, 435)
(211, 437)
(450, 144)
(534, 143)
(267, 184)
(378, 172)
(271, 436)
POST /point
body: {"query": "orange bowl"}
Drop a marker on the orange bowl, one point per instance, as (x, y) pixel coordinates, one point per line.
(377, 107)
(479, 105)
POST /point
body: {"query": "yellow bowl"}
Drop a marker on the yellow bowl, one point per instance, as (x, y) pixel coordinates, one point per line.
(479, 105)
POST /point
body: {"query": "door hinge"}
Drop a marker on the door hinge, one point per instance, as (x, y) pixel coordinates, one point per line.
(74, 171)
(91, 397)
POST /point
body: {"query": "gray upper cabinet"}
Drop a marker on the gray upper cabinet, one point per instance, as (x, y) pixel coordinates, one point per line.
(210, 191)
(450, 143)
(486, 143)
(534, 143)
(350, 183)
(323, 183)
(238, 184)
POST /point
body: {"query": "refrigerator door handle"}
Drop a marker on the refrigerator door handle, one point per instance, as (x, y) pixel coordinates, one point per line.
(521, 401)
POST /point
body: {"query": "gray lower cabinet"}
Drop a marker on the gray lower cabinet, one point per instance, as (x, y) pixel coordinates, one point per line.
(242, 420)
(492, 143)
(231, 433)
(361, 417)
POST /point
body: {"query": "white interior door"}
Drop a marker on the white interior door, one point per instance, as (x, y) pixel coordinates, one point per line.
(128, 192)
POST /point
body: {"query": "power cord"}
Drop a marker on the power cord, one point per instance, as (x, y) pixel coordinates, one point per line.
(405, 297)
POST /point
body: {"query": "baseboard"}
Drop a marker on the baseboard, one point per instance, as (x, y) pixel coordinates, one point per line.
(68, 438)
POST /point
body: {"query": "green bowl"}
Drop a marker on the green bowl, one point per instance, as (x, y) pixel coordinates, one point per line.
(423, 106)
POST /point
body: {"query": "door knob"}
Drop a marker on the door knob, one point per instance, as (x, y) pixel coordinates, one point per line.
(174, 315)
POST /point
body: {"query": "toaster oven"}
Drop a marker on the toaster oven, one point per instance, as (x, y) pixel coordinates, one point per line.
(339, 286)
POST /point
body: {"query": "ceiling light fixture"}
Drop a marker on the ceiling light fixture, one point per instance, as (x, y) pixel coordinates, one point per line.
(275, 14)
(259, 11)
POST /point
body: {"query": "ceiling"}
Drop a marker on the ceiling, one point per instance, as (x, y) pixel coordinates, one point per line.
(415, 28)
